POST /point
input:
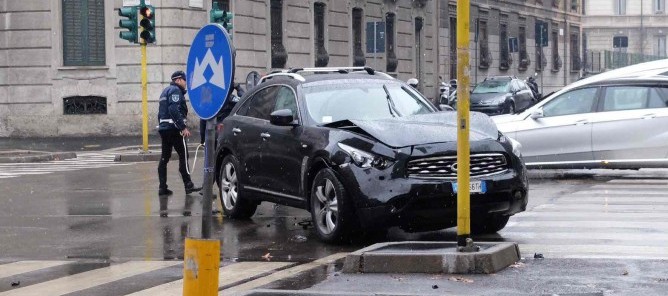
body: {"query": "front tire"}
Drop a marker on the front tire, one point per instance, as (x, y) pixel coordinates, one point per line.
(235, 205)
(489, 223)
(331, 208)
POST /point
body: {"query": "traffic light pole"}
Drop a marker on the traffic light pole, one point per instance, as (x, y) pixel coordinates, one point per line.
(144, 98)
(464, 242)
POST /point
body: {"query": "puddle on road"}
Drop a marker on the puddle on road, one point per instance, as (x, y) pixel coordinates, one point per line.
(307, 278)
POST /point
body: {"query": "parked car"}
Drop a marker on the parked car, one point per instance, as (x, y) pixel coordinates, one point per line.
(617, 119)
(362, 152)
(501, 95)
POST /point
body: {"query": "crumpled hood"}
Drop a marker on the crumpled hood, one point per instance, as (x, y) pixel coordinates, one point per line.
(426, 128)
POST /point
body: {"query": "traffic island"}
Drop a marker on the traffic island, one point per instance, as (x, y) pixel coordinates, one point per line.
(24, 156)
(431, 257)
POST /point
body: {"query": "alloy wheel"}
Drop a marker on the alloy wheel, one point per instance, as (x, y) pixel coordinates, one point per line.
(229, 186)
(326, 208)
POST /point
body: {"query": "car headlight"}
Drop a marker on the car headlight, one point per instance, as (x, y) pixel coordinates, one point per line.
(517, 147)
(364, 159)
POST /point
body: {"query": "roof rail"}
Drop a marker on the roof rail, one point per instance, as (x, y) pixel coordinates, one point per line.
(283, 73)
(294, 73)
(334, 69)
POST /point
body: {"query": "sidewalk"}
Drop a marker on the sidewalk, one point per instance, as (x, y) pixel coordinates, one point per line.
(74, 144)
(126, 148)
(21, 156)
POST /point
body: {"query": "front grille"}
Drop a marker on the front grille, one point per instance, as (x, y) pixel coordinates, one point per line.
(445, 167)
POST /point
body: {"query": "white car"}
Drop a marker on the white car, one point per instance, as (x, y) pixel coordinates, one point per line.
(617, 119)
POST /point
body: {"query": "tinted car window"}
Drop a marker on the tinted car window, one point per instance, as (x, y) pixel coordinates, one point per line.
(658, 97)
(364, 101)
(286, 100)
(262, 103)
(625, 98)
(573, 102)
(492, 86)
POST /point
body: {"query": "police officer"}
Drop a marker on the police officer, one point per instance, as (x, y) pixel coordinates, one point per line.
(173, 131)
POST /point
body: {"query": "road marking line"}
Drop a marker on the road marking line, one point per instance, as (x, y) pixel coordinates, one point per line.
(589, 224)
(608, 237)
(90, 279)
(227, 275)
(624, 192)
(639, 181)
(600, 251)
(648, 187)
(15, 268)
(283, 274)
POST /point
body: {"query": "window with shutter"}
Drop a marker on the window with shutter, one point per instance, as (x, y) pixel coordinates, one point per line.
(83, 33)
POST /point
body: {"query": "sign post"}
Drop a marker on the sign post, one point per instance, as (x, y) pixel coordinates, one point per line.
(209, 71)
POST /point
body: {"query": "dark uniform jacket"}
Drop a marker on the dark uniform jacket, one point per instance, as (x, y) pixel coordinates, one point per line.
(172, 110)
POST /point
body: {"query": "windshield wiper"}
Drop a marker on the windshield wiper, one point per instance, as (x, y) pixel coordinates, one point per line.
(390, 103)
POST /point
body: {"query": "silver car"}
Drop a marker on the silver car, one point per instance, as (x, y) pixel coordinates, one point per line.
(618, 119)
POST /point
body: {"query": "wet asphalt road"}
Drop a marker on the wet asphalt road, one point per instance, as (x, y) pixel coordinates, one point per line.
(110, 215)
(113, 213)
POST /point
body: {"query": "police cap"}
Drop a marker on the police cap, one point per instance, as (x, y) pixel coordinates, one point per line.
(178, 74)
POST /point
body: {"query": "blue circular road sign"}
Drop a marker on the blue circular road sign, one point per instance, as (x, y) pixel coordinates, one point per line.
(210, 70)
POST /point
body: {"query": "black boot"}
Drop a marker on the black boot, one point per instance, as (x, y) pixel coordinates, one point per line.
(190, 188)
(165, 191)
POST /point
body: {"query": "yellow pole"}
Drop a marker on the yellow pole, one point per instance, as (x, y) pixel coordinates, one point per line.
(144, 98)
(201, 265)
(463, 102)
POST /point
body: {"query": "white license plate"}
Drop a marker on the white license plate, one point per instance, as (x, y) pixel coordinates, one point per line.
(474, 187)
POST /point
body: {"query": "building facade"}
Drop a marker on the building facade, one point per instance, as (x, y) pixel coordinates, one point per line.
(627, 31)
(65, 72)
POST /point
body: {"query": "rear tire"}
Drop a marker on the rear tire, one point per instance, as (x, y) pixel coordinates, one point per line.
(235, 205)
(489, 223)
(331, 208)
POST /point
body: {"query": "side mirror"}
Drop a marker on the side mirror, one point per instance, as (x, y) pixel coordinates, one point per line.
(538, 113)
(282, 117)
(445, 107)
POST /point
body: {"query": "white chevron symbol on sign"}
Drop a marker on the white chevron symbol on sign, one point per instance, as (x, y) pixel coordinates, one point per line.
(218, 78)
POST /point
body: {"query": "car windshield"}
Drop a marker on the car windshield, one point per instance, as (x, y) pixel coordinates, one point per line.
(362, 101)
(492, 86)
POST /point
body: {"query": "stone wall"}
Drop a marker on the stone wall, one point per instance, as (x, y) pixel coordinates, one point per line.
(33, 80)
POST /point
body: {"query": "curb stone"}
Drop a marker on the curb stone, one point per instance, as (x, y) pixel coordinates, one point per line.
(38, 157)
(431, 257)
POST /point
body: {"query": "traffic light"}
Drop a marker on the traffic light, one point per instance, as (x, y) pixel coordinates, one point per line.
(147, 24)
(130, 23)
(221, 16)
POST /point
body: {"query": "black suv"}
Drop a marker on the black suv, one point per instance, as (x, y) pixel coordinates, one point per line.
(501, 95)
(362, 152)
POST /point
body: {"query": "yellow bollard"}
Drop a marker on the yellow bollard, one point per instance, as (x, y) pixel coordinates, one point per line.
(201, 262)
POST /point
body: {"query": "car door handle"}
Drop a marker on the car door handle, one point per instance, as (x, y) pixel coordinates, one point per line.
(648, 116)
(236, 130)
(265, 135)
(582, 122)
